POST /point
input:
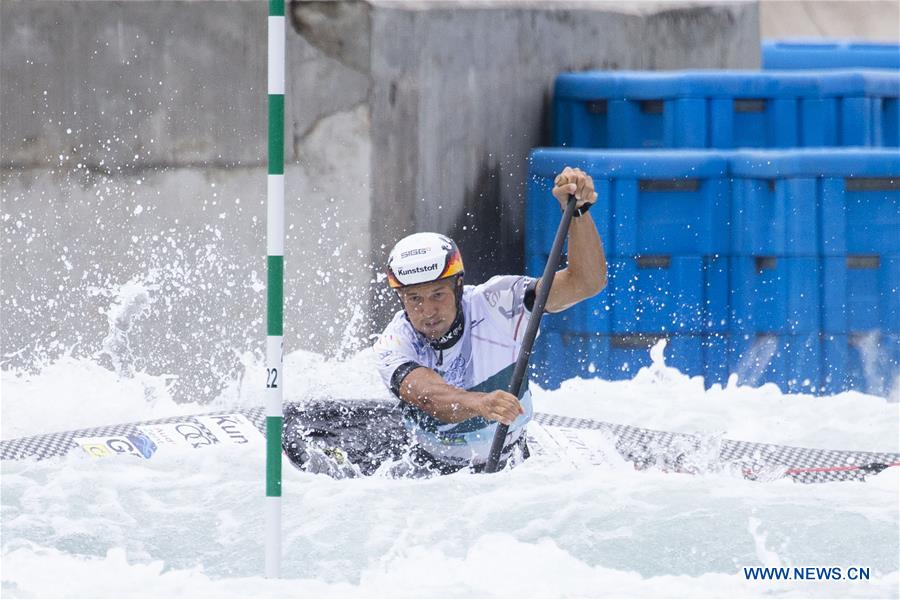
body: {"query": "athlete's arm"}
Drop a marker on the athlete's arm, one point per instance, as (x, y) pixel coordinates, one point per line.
(585, 274)
(427, 390)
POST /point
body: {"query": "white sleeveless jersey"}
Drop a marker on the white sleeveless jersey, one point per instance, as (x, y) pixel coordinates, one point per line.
(482, 360)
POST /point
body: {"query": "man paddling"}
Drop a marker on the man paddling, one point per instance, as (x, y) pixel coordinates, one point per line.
(448, 355)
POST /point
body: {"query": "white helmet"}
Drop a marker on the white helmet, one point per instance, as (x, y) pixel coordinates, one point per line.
(423, 258)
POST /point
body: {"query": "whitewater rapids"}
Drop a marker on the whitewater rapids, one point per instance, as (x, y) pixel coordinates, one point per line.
(190, 524)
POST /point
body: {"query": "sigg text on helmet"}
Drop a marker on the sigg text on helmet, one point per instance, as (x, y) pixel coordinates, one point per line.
(415, 252)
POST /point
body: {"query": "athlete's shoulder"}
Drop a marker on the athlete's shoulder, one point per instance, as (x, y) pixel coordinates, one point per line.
(500, 297)
(398, 334)
(499, 285)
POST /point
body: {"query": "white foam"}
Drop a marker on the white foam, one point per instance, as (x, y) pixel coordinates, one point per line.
(660, 397)
(190, 525)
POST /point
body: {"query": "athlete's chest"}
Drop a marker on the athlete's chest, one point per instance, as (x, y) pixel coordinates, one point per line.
(481, 351)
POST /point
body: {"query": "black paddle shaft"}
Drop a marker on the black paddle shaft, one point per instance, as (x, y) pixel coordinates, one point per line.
(537, 312)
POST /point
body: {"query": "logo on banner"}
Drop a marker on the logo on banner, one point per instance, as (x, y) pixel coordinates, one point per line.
(185, 433)
(232, 428)
(196, 435)
(204, 431)
(136, 444)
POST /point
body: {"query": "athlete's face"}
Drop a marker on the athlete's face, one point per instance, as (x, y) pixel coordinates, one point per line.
(431, 307)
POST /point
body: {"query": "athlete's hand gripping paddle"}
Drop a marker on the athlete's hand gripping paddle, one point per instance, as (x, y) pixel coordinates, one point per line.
(537, 312)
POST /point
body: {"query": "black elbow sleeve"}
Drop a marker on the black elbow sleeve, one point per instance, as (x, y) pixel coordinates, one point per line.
(400, 374)
(530, 291)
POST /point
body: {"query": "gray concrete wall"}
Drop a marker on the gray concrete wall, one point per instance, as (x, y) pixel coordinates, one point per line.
(133, 150)
(459, 97)
(874, 20)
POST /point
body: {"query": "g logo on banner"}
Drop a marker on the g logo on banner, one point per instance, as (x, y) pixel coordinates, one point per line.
(133, 445)
(96, 450)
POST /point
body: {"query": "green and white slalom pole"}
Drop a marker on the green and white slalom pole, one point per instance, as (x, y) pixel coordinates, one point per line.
(275, 288)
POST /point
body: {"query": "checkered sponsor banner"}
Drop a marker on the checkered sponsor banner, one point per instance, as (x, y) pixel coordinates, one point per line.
(693, 453)
(645, 448)
(143, 439)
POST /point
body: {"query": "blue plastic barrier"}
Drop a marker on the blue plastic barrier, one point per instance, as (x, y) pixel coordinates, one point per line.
(861, 215)
(553, 361)
(726, 109)
(865, 362)
(648, 203)
(542, 210)
(860, 294)
(864, 103)
(772, 295)
(660, 294)
(716, 368)
(618, 110)
(890, 124)
(559, 356)
(774, 217)
(805, 363)
(593, 315)
(792, 362)
(652, 295)
(789, 245)
(857, 196)
(829, 54)
(535, 262)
